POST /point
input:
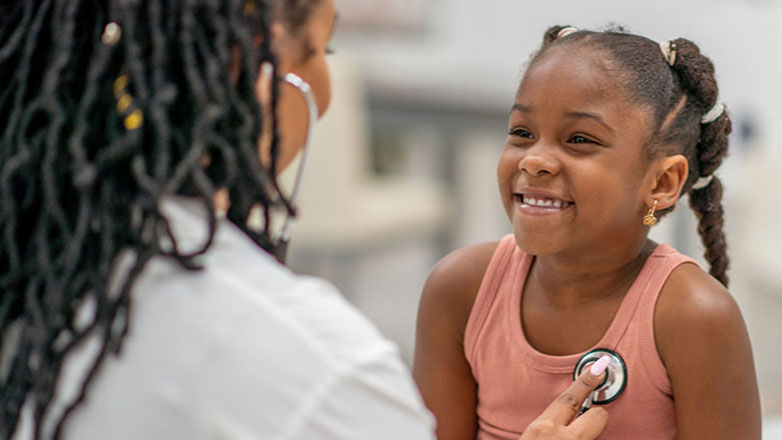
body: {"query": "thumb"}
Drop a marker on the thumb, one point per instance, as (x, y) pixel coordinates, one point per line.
(565, 407)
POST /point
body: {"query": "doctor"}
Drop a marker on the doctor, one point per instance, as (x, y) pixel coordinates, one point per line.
(129, 309)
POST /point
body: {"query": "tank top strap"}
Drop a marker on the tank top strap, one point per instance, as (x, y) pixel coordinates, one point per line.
(668, 260)
(507, 259)
(641, 298)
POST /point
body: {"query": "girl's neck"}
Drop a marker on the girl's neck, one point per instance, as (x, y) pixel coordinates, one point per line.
(569, 281)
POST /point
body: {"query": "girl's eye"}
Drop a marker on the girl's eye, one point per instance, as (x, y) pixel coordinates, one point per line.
(581, 140)
(330, 50)
(520, 132)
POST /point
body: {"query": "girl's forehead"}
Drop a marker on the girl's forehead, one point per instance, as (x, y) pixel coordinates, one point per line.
(580, 81)
(582, 70)
(574, 77)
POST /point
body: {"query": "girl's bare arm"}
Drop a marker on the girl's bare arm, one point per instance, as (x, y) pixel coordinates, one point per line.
(702, 339)
(440, 368)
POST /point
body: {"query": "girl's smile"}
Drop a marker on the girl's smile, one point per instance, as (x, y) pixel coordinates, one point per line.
(539, 202)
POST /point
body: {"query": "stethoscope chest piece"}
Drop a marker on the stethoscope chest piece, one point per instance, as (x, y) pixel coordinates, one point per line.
(616, 378)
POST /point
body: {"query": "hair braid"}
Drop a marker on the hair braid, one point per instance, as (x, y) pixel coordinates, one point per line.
(707, 204)
(697, 76)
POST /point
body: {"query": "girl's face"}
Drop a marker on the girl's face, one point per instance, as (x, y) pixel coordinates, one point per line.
(570, 175)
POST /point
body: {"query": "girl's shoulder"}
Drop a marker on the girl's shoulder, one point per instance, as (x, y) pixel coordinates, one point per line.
(691, 298)
(455, 280)
(696, 322)
(703, 342)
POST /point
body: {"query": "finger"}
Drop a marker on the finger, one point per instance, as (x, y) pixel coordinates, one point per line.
(589, 425)
(562, 410)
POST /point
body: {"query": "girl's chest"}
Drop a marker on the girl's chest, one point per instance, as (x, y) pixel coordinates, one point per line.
(562, 331)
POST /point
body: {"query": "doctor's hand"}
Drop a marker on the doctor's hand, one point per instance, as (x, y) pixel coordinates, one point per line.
(557, 421)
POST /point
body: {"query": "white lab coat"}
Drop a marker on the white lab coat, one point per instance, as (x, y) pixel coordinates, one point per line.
(244, 349)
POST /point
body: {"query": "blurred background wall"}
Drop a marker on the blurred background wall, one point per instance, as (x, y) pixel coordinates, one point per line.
(403, 167)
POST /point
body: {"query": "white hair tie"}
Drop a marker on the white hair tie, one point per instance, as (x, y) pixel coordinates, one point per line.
(703, 182)
(713, 114)
(668, 48)
(565, 31)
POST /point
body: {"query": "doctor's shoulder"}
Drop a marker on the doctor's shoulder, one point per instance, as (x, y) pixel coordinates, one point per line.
(703, 342)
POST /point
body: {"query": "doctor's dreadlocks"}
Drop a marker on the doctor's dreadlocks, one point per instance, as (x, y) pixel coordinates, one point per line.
(97, 123)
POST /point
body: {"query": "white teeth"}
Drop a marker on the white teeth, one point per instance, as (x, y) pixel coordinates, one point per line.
(545, 203)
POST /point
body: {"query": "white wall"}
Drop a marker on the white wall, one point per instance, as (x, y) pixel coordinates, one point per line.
(479, 47)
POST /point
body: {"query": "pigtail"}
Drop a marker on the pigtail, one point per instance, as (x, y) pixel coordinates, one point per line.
(696, 73)
(713, 145)
(707, 204)
(707, 201)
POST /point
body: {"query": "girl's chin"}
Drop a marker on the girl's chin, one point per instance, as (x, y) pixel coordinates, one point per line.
(536, 243)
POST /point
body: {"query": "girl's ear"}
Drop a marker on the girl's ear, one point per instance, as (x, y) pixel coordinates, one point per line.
(669, 175)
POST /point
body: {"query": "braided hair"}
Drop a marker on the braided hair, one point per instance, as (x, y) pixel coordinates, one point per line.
(97, 124)
(678, 96)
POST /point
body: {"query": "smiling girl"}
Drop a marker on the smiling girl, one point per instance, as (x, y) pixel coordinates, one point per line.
(607, 131)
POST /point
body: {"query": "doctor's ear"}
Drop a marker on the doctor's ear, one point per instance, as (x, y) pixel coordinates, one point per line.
(669, 174)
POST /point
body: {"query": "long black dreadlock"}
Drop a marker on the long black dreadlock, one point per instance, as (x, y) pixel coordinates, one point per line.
(96, 124)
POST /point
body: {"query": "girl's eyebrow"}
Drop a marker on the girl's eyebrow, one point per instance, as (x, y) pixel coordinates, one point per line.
(520, 108)
(588, 115)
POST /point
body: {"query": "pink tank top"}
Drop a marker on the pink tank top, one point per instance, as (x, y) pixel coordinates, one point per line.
(516, 382)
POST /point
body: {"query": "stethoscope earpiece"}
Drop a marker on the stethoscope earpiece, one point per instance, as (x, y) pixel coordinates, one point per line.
(613, 383)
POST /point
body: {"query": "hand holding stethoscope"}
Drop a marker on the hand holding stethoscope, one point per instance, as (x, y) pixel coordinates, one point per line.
(566, 416)
(614, 381)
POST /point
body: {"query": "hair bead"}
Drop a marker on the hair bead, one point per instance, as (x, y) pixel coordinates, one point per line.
(713, 114)
(565, 31)
(668, 48)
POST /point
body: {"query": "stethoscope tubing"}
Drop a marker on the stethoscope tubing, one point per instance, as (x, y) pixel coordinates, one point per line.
(312, 107)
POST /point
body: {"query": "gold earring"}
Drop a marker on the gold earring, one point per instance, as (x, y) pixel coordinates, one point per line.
(649, 218)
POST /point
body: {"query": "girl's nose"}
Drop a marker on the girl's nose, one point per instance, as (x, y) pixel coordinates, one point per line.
(538, 161)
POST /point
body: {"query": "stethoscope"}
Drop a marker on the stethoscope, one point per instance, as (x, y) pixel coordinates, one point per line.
(613, 383)
(281, 249)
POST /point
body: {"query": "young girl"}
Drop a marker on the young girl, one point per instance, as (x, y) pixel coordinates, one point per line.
(606, 132)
